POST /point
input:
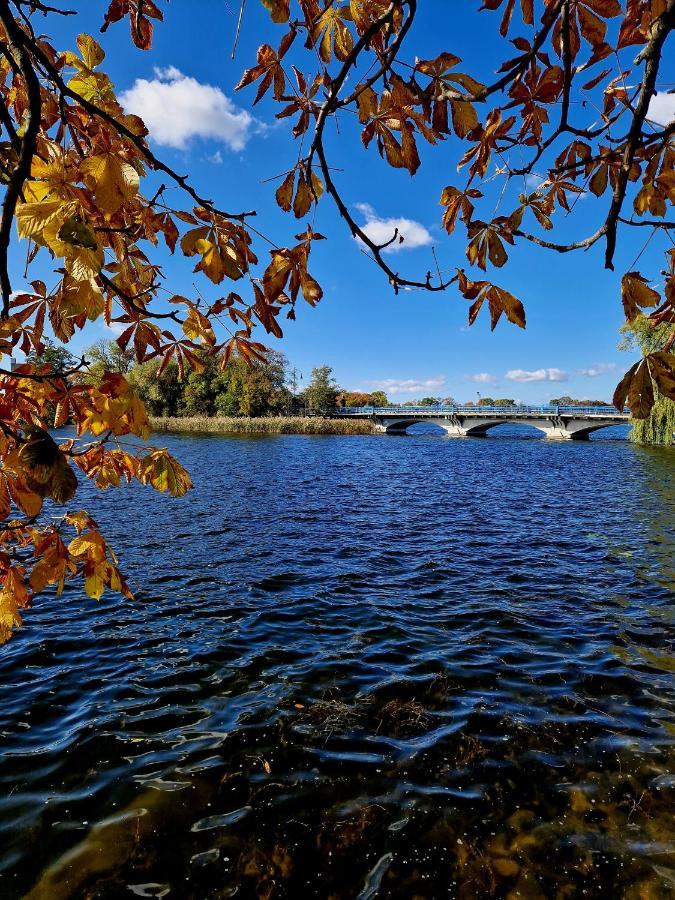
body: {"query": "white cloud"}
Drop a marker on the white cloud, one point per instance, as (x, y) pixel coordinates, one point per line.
(177, 108)
(537, 375)
(216, 158)
(482, 378)
(408, 385)
(382, 230)
(597, 369)
(662, 108)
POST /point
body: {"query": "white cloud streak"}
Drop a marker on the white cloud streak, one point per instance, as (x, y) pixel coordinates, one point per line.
(482, 378)
(522, 375)
(176, 109)
(408, 385)
(597, 369)
(382, 230)
(661, 108)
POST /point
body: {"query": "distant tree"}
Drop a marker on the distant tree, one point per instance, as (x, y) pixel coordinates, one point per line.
(238, 388)
(430, 401)
(362, 398)
(163, 395)
(486, 401)
(357, 398)
(379, 398)
(108, 356)
(55, 355)
(321, 393)
(572, 401)
(504, 402)
(449, 401)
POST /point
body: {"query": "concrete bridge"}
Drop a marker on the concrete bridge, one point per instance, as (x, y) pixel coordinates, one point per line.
(559, 423)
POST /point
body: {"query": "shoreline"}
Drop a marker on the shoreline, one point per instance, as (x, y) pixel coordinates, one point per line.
(262, 425)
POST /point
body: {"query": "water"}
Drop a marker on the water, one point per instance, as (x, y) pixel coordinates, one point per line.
(358, 667)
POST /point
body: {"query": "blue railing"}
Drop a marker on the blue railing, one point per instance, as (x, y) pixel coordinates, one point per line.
(497, 410)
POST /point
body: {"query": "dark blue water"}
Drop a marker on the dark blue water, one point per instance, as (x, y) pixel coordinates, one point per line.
(358, 667)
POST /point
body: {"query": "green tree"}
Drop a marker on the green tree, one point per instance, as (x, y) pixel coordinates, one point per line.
(430, 401)
(108, 356)
(238, 389)
(162, 396)
(55, 355)
(379, 398)
(321, 393)
(504, 402)
(486, 401)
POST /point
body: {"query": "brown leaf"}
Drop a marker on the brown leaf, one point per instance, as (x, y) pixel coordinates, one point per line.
(636, 293)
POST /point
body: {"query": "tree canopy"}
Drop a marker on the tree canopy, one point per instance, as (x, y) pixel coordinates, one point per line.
(83, 187)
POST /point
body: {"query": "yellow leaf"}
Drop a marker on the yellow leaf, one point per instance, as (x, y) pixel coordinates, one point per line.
(164, 473)
(115, 181)
(92, 52)
(31, 218)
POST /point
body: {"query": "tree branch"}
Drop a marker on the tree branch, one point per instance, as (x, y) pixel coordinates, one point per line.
(28, 147)
(651, 54)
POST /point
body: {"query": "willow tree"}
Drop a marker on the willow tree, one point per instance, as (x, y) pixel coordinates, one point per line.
(83, 188)
(642, 336)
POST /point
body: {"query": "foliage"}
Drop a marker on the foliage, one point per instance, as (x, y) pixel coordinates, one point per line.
(643, 335)
(235, 389)
(108, 356)
(566, 400)
(490, 401)
(83, 187)
(322, 392)
(361, 398)
(56, 356)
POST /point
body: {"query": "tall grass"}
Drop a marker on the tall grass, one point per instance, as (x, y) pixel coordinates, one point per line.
(264, 425)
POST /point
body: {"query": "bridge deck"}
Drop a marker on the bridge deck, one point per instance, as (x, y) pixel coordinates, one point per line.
(487, 412)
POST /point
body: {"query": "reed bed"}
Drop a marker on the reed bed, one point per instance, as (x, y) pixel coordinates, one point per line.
(264, 425)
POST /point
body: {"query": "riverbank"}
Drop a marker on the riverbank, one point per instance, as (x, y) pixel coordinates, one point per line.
(263, 425)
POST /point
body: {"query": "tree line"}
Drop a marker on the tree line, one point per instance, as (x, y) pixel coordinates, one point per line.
(242, 388)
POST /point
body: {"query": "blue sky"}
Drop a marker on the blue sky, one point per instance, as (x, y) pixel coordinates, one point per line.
(413, 344)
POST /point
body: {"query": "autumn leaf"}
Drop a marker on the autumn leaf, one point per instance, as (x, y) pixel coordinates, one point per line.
(164, 473)
(636, 388)
(636, 293)
(114, 181)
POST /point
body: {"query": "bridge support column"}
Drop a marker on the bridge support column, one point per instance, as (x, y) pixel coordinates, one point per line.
(557, 434)
(453, 430)
(560, 430)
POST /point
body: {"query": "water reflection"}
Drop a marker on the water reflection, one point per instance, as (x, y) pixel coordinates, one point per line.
(359, 668)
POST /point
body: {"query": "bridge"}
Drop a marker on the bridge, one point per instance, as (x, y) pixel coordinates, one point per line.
(559, 423)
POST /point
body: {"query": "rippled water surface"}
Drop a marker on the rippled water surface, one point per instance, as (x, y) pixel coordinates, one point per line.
(359, 667)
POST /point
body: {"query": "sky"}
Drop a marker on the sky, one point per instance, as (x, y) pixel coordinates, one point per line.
(412, 345)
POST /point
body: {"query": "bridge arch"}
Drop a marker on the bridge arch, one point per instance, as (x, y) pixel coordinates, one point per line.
(582, 433)
(481, 429)
(401, 426)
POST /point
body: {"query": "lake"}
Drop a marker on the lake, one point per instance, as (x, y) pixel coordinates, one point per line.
(358, 667)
